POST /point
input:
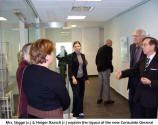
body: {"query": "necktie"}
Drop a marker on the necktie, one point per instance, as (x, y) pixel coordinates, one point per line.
(147, 63)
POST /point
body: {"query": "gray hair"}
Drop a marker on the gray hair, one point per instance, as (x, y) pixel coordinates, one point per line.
(25, 50)
(143, 32)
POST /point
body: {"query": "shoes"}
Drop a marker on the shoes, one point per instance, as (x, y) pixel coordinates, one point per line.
(99, 101)
(81, 115)
(108, 102)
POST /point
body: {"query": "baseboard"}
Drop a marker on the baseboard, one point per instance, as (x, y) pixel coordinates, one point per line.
(119, 94)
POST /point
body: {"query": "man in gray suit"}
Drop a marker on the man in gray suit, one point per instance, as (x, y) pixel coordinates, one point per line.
(135, 54)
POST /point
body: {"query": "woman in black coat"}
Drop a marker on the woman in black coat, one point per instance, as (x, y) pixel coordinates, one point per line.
(78, 78)
(45, 89)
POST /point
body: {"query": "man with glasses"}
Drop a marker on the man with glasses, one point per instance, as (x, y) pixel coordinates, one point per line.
(146, 94)
(135, 54)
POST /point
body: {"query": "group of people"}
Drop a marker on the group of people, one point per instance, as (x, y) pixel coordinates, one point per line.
(143, 75)
(42, 92)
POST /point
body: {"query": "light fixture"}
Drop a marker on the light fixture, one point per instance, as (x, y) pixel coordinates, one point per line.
(2, 19)
(82, 8)
(66, 28)
(73, 25)
(54, 24)
(88, 0)
(76, 17)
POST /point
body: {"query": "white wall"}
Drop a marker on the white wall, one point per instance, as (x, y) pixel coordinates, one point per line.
(90, 39)
(145, 17)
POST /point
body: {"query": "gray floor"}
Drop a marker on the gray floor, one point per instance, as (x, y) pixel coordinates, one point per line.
(119, 109)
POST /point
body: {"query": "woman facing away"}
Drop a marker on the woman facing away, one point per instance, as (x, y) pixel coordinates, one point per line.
(78, 78)
(24, 59)
(44, 88)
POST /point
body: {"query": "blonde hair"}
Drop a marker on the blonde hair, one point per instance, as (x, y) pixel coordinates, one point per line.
(25, 50)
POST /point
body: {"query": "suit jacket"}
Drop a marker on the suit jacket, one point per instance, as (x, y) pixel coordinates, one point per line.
(74, 65)
(145, 94)
(133, 80)
(104, 58)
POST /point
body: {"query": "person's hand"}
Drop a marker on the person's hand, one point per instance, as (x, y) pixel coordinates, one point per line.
(145, 81)
(87, 82)
(74, 80)
(117, 74)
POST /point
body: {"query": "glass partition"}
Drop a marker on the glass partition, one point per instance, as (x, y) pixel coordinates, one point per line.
(61, 37)
(10, 44)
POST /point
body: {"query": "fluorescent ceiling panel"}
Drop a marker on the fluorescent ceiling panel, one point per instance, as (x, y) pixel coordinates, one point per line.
(2, 19)
(76, 17)
(88, 0)
(73, 25)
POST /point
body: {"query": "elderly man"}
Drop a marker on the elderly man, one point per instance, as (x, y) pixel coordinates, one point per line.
(146, 95)
(135, 54)
(104, 66)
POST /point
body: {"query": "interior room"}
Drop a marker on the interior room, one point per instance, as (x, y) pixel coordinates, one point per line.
(91, 22)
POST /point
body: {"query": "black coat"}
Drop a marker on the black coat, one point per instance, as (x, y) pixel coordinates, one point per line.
(145, 94)
(74, 65)
(45, 89)
(104, 58)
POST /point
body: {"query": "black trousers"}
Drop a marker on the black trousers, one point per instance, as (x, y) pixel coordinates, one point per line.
(62, 69)
(144, 112)
(78, 96)
(133, 82)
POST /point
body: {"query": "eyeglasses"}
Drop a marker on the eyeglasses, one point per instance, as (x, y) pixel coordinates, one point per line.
(144, 44)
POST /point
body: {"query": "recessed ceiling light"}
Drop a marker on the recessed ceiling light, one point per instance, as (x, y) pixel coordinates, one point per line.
(88, 0)
(65, 28)
(73, 25)
(2, 19)
(76, 17)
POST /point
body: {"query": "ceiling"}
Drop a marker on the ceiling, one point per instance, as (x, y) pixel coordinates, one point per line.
(7, 8)
(58, 10)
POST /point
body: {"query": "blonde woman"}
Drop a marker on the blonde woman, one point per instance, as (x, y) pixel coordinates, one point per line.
(24, 59)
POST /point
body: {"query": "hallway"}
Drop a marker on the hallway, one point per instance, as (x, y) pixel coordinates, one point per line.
(93, 110)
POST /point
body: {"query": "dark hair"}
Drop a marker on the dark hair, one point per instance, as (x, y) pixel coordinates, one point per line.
(76, 42)
(152, 41)
(40, 49)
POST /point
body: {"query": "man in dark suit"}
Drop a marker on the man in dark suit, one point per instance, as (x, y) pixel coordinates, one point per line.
(135, 54)
(104, 67)
(146, 95)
